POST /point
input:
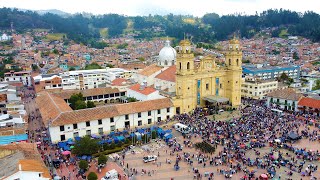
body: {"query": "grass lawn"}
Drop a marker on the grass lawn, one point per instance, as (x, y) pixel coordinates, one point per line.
(283, 33)
(55, 36)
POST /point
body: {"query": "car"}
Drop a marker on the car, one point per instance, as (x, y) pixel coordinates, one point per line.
(150, 158)
(221, 110)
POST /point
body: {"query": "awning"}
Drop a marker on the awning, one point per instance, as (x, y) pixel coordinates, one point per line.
(213, 99)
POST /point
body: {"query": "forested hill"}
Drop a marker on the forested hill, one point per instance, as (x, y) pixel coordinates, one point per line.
(209, 28)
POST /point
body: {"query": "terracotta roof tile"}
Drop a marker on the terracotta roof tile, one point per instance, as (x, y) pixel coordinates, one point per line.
(34, 166)
(288, 93)
(84, 115)
(145, 91)
(309, 102)
(118, 82)
(149, 70)
(66, 94)
(50, 106)
(168, 74)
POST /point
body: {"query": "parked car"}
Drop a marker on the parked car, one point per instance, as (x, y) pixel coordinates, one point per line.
(150, 158)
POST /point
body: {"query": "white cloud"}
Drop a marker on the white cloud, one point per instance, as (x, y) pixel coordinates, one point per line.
(145, 7)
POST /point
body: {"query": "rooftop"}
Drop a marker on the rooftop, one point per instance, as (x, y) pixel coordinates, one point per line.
(168, 74)
(66, 94)
(144, 91)
(289, 94)
(149, 70)
(309, 102)
(109, 111)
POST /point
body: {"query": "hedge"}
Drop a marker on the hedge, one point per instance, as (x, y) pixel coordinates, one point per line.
(110, 151)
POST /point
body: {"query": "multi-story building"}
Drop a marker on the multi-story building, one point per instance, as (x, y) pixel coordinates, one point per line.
(81, 79)
(206, 83)
(256, 88)
(64, 123)
(284, 99)
(270, 72)
(23, 77)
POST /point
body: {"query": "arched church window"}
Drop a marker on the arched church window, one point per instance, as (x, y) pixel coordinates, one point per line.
(237, 62)
(165, 62)
(188, 65)
(180, 65)
(229, 62)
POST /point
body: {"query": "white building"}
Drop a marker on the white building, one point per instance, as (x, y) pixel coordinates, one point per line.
(23, 77)
(147, 74)
(255, 88)
(143, 93)
(5, 37)
(64, 123)
(284, 99)
(167, 55)
(88, 79)
(166, 80)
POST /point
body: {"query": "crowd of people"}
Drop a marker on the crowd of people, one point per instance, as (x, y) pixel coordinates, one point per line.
(258, 127)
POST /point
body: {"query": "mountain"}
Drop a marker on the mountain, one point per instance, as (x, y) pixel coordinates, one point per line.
(54, 11)
(88, 29)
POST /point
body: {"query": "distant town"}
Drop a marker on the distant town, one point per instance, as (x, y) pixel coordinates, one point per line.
(159, 108)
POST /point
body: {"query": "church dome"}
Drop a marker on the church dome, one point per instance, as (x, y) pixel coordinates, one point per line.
(167, 54)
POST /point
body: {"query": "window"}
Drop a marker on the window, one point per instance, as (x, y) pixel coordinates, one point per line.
(76, 134)
(61, 128)
(188, 65)
(63, 137)
(112, 120)
(159, 119)
(149, 113)
(112, 128)
(123, 93)
(139, 115)
(207, 86)
(99, 121)
(149, 121)
(168, 110)
(100, 131)
(127, 116)
(220, 86)
(229, 62)
(140, 123)
(159, 111)
(180, 66)
(88, 132)
(237, 62)
(168, 117)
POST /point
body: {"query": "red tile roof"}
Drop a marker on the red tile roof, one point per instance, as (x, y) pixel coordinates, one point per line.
(149, 70)
(113, 110)
(118, 82)
(168, 74)
(309, 102)
(289, 94)
(145, 91)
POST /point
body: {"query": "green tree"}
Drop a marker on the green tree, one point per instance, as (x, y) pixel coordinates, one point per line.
(154, 134)
(55, 51)
(92, 176)
(34, 67)
(80, 104)
(74, 99)
(317, 86)
(284, 77)
(110, 66)
(90, 104)
(93, 65)
(102, 159)
(85, 146)
(83, 164)
(295, 56)
(72, 69)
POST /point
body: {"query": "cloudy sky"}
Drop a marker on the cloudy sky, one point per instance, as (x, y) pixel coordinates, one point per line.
(145, 7)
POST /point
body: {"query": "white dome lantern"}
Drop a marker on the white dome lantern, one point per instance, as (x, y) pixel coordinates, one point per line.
(167, 55)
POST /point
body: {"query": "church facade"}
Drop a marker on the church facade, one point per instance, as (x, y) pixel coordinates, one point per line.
(196, 84)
